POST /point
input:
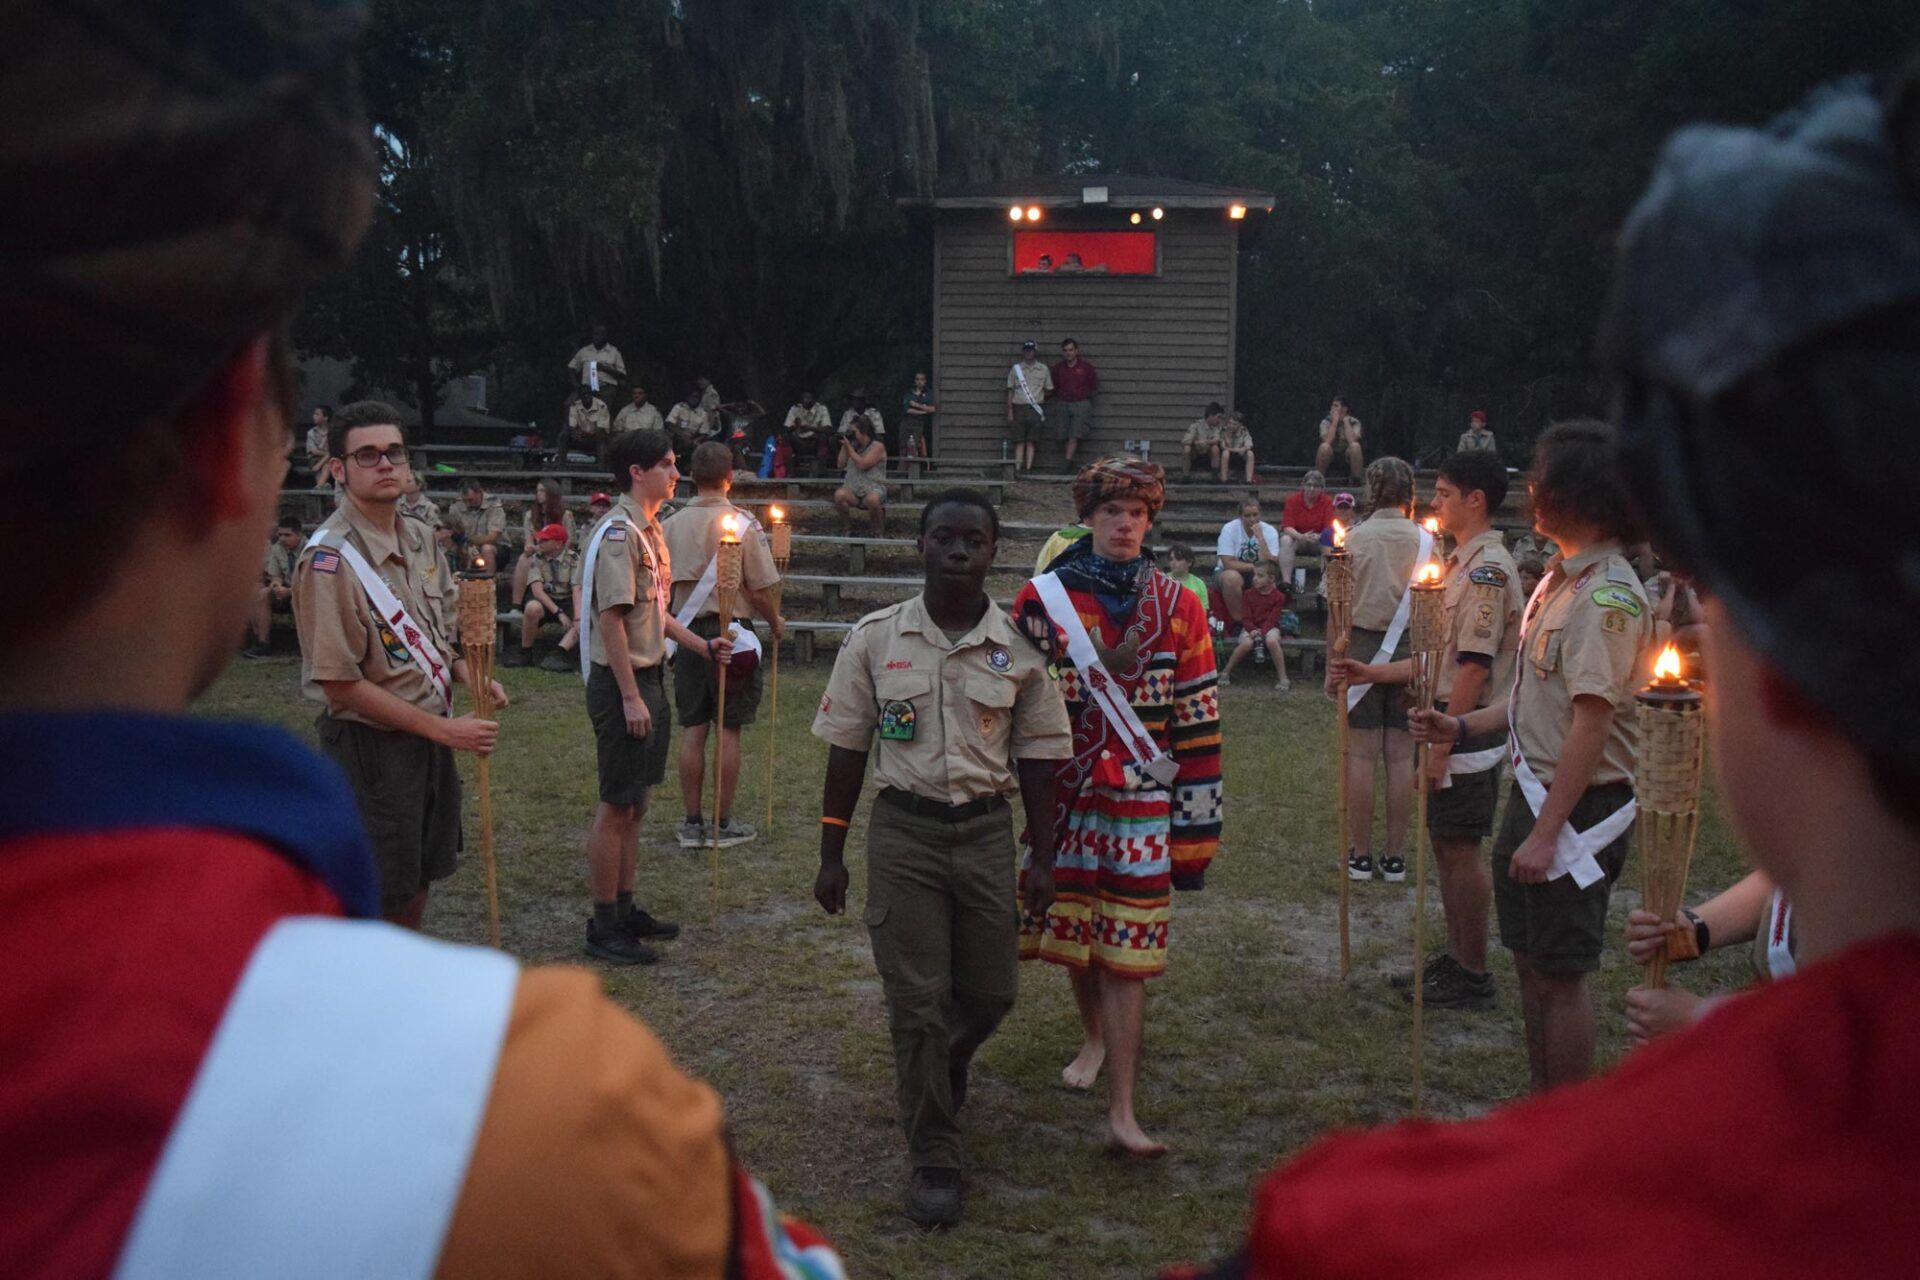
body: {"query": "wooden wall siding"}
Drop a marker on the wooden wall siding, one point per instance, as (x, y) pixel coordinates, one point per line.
(1163, 345)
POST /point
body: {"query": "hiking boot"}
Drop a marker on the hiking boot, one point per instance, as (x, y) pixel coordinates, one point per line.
(257, 650)
(1359, 867)
(615, 947)
(641, 925)
(1434, 966)
(933, 1198)
(1392, 869)
(732, 832)
(1455, 988)
(692, 833)
(515, 656)
(560, 662)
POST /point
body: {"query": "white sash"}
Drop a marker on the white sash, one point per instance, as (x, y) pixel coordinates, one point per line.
(329, 1128)
(1156, 763)
(1026, 390)
(586, 588)
(1401, 613)
(696, 600)
(388, 606)
(1574, 851)
(1780, 962)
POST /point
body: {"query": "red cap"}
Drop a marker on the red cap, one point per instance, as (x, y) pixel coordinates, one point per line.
(600, 497)
(552, 533)
(1478, 415)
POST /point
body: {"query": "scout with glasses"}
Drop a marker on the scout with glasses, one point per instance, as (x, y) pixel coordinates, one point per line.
(372, 602)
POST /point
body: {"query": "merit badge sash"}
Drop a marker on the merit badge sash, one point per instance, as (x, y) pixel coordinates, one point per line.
(1395, 628)
(1575, 851)
(392, 613)
(1106, 692)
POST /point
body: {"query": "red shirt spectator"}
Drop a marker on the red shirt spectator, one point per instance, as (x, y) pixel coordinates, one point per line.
(1296, 512)
(1075, 380)
(1264, 609)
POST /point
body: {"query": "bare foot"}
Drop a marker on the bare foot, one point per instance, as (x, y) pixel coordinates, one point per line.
(1084, 1069)
(1130, 1142)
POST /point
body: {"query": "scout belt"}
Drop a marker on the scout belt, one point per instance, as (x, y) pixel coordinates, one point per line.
(925, 808)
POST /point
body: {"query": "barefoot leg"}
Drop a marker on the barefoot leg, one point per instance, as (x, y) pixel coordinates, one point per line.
(1085, 1067)
(1123, 1013)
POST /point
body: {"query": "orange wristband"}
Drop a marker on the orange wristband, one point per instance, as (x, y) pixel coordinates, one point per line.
(833, 822)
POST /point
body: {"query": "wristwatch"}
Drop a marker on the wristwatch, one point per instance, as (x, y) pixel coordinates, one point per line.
(1702, 936)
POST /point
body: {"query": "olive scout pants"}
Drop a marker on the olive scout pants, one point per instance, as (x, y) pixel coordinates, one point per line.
(941, 912)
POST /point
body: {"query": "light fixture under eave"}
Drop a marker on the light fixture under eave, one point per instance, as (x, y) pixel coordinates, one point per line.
(1237, 211)
(1016, 213)
(1134, 217)
(1158, 213)
(1033, 213)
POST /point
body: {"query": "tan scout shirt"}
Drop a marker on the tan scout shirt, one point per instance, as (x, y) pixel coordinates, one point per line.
(1528, 545)
(613, 366)
(1346, 433)
(693, 535)
(1472, 440)
(806, 420)
(278, 566)
(1384, 547)
(951, 718)
(343, 638)
(556, 575)
(694, 422)
(1586, 636)
(876, 425)
(1483, 607)
(423, 509)
(471, 523)
(638, 417)
(588, 419)
(633, 572)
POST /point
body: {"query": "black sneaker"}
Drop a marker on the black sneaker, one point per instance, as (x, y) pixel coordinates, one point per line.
(616, 947)
(560, 662)
(257, 650)
(1393, 870)
(1455, 988)
(933, 1198)
(641, 925)
(1433, 968)
(1359, 867)
(515, 656)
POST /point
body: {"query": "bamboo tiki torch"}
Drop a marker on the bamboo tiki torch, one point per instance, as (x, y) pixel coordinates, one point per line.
(1666, 783)
(477, 613)
(780, 537)
(1337, 579)
(1428, 625)
(726, 581)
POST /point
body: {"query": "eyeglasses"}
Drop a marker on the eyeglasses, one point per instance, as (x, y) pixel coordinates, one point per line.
(369, 456)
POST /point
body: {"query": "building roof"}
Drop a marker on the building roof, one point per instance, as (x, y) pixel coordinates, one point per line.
(1081, 190)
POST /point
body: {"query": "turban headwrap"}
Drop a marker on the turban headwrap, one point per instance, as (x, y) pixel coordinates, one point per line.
(178, 170)
(1112, 478)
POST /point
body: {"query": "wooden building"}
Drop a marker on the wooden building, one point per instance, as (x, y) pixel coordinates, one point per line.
(1150, 300)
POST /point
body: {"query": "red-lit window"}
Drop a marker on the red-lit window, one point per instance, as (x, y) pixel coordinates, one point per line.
(1108, 253)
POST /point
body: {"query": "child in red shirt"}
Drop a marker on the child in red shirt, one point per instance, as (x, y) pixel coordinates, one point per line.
(1265, 602)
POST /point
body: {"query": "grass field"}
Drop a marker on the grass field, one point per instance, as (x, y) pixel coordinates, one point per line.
(1254, 1046)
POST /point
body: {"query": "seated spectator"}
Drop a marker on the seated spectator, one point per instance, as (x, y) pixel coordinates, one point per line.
(547, 597)
(1529, 544)
(1263, 606)
(860, 411)
(637, 416)
(317, 444)
(1236, 442)
(276, 585)
(1476, 436)
(1340, 434)
(1201, 442)
(1180, 569)
(1243, 545)
(1041, 267)
(597, 506)
(689, 423)
(587, 428)
(598, 365)
(1304, 516)
(476, 526)
(549, 506)
(414, 501)
(918, 409)
(809, 431)
(1071, 265)
(709, 394)
(865, 459)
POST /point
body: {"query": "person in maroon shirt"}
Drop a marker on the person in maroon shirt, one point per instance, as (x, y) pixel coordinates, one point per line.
(1075, 383)
(1779, 1134)
(1302, 518)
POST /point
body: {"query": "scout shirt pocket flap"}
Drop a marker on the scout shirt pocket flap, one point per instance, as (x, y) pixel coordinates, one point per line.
(902, 698)
(1543, 648)
(995, 691)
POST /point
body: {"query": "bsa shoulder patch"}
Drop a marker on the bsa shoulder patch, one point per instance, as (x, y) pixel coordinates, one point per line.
(1618, 598)
(1489, 575)
(999, 659)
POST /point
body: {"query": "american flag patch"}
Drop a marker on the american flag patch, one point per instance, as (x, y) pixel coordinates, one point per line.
(325, 561)
(617, 534)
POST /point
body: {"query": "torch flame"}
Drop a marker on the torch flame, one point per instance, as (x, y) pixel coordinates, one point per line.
(1667, 667)
(479, 562)
(777, 513)
(1429, 573)
(1433, 525)
(1339, 534)
(729, 529)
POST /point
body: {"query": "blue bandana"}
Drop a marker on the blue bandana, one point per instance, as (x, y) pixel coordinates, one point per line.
(1114, 583)
(99, 772)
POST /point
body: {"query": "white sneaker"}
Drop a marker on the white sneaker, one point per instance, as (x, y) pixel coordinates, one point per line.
(732, 832)
(693, 833)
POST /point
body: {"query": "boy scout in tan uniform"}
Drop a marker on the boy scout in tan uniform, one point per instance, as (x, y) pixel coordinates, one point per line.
(964, 712)
(693, 536)
(477, 526)
(1383, 548)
